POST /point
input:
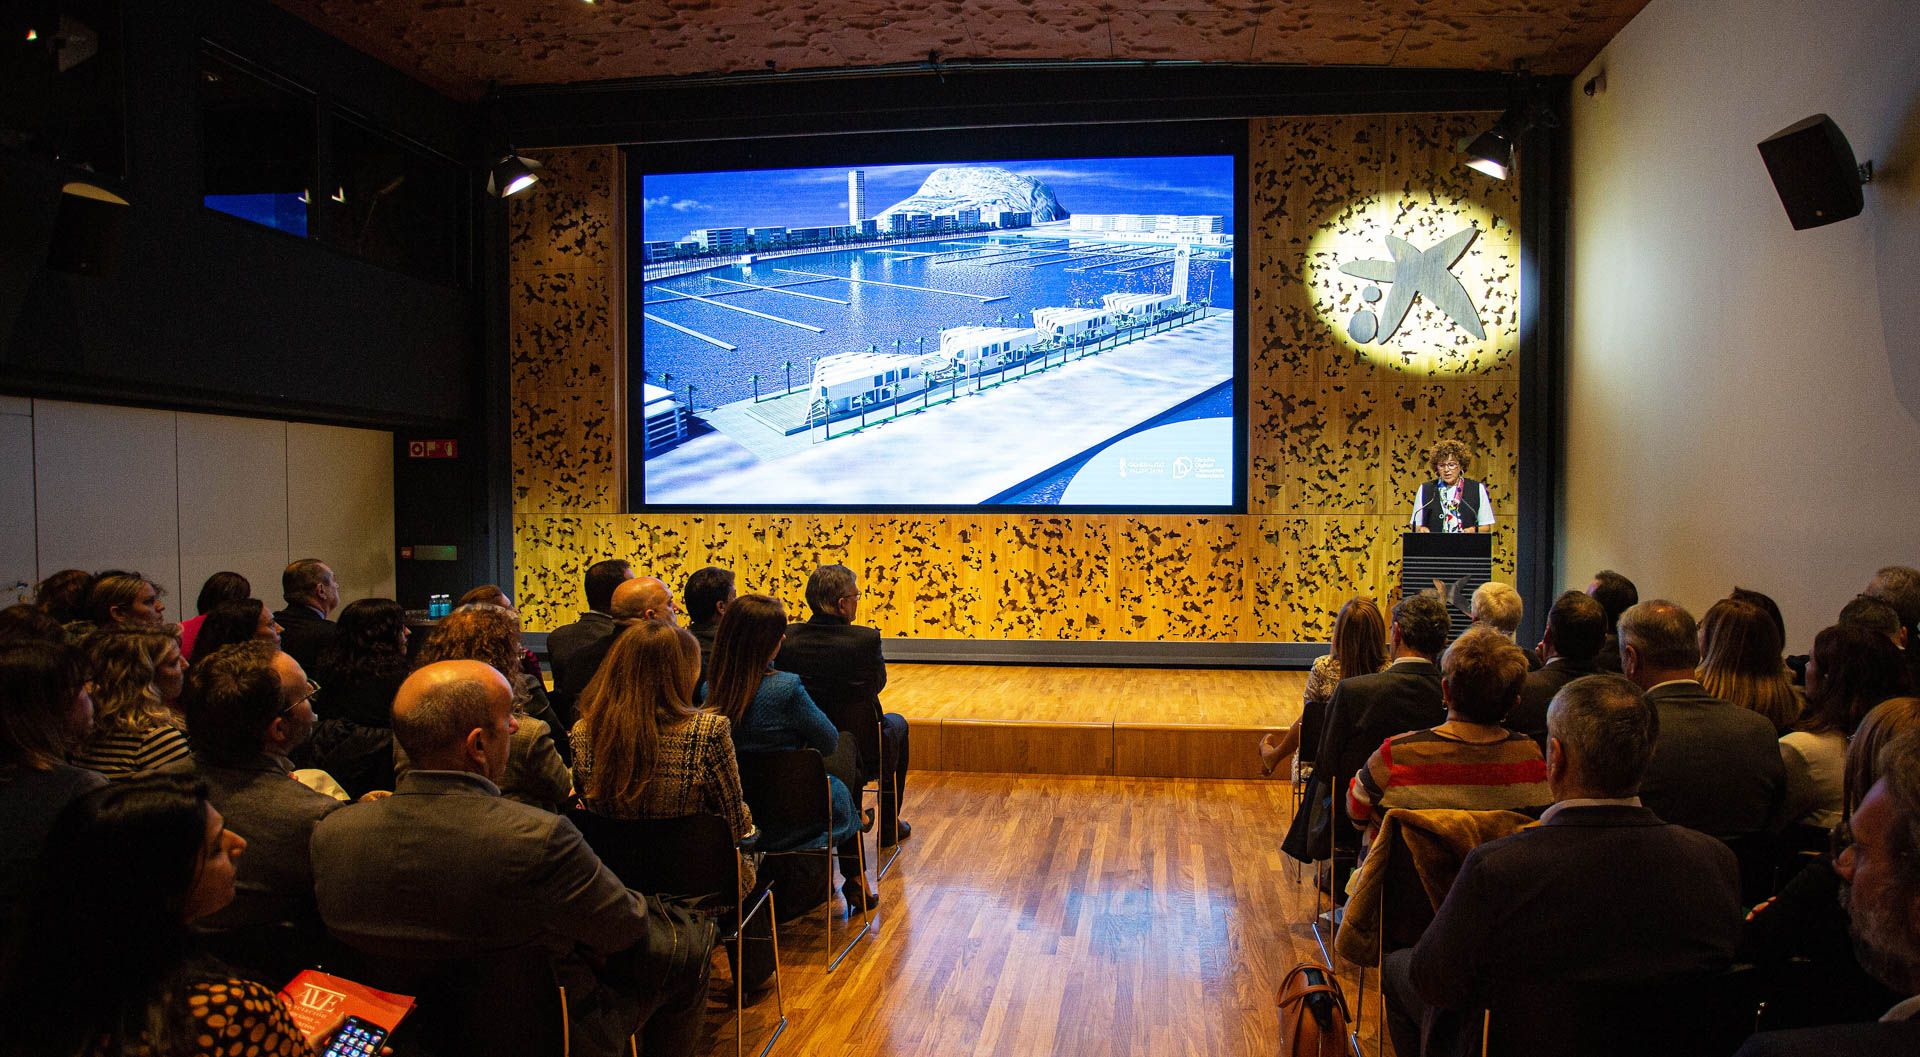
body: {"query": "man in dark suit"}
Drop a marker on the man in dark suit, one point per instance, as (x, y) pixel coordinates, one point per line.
(566, 644)
(247, 707)
(841, 665)
(1717, 766)
(312, 595)
(1601, 891)
(1899, 587)
(1616, 594)
(1368, 709)
(1576, 625)
(446, 867)
(708, 592)
(1881, 871)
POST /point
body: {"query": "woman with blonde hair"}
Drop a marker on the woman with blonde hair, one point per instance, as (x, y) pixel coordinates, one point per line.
(125, 599)
(536, 773)
(136, 673)
(1740, 662)
(1359, 648)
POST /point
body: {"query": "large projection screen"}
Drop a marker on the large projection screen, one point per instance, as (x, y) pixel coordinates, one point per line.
(973, 328)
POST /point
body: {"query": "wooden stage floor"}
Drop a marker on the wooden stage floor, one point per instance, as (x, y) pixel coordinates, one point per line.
(1141, 722)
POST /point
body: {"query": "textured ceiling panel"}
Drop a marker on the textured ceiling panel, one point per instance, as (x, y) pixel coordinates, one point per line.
(462, 46)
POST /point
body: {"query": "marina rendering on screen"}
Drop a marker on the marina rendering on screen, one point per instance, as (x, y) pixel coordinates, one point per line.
(1030, 333)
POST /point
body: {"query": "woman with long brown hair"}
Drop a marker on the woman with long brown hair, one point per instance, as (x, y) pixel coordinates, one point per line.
(770, 711)
(1851, 670)
(1359, 648)
(1740, 662)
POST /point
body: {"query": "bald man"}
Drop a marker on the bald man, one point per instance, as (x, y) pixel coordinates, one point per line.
(447, 867)
(641, 598)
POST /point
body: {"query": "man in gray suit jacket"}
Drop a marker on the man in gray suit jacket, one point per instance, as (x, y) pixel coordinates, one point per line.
(247, 706)
(1717, 766)
(446, 868)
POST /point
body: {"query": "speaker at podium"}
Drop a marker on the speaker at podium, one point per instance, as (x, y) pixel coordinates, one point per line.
(1452, 564)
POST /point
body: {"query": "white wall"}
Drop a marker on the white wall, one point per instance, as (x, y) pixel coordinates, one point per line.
(181, 496)
(1744, 399)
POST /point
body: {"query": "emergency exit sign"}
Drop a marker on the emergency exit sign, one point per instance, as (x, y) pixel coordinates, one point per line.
(433, 449)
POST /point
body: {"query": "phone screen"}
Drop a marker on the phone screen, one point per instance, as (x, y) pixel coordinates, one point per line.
(356, 1038)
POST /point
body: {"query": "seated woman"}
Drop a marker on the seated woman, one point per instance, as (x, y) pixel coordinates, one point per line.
(1471, 762)
(137, 674)
(1851, 669)
(1740, 662)
(103, 961)
(770, 711)
(1359, 648)
(247, 620)
(44, 710)
(220, 587)
(494, 595)
(121, 598)
(536, 773)
(360, 671)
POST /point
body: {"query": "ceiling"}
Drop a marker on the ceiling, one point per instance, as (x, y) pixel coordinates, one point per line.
(462, 46)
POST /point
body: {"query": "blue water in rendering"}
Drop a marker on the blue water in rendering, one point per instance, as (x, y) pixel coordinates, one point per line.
(874, 315)
(1214, 403)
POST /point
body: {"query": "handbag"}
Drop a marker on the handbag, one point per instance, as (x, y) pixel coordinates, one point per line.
(1313, 1013)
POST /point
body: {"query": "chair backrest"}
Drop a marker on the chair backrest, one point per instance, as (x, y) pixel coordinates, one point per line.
(1707, 1014)
(788, 795)
(688, 856)
(1756, 854)
(494, 1004)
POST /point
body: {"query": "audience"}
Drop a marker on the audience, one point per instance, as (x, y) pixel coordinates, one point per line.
(1616, 594)
(44, 710)
(1498, 606)
(1602, 891)
(220, 587)
(708, 593)
(1576, 627)
(1870, 612)
(136, 674)
(1359, 647)
(228, 623)
(362, 668)
(842, 666)
(1767, 605)
(447, 868)
(536, 770)
(122, 599)
(1852, 669)
(493, 595)
(1740, 663)
(1716, 767)
(103, 961)
(1899, 587)
(1887, 721)
(566, 644)
(312, 595)
(63, 596)
(21, 622)
(1470, 762)
(247, 706)
(769, 711)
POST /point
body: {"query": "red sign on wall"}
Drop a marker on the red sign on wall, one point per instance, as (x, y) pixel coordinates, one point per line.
(433, 449)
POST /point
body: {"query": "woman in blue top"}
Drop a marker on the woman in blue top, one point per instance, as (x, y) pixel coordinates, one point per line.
(770, 711)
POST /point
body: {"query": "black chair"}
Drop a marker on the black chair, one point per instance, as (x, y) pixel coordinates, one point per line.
(1704, 1015)
(1757, 855)
(695, 856)
(788, 794)
(494, 1004)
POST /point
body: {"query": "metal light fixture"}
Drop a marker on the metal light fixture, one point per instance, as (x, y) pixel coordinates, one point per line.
(1491, 152)
(512, 174)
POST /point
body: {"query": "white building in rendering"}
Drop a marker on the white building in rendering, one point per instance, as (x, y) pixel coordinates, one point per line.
(856, 196)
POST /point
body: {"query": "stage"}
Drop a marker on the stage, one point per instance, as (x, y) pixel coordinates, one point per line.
(1136, 722)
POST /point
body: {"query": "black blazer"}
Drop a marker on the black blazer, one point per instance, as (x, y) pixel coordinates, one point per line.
(575, 651)
(1365, 711)
(1601, 894)
(304, 633)
(1529, 716)
(1716, 766)
(842, 667)
(704, 635)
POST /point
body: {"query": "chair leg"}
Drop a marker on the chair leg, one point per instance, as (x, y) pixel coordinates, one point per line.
(866, 925)
(779, 993)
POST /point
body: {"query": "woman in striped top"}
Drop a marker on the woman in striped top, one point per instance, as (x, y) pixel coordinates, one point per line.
(1470, 762)
(137, 673)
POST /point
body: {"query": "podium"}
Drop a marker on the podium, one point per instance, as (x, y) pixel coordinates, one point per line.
(1454, 564)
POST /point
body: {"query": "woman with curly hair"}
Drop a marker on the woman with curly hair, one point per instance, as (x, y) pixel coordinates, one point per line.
(137, 673)
(536, 770)
(1452, 501)
(1740, 662)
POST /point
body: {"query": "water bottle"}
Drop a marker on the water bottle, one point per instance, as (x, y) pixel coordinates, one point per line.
(436, 607)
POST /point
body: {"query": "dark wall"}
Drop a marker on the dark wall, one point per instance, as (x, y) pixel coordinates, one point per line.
(207, 311)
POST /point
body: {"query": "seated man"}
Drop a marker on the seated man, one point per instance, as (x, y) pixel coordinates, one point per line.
(1576, 626)
(1601, 891)
(312, 595)
(247, 706)
(1616, 594)
(1470, 762)
(1717, 766)
(708, 592)
(841, 666)
(567, 643)
(1880, 868)
(446, 868)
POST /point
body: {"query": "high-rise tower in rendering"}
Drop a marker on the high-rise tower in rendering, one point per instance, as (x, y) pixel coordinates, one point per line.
(856, 196)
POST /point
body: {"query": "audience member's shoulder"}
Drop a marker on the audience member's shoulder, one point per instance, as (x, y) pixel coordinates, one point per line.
(1871, 1039)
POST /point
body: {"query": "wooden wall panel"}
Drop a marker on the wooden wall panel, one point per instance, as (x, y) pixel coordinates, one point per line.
(1336, 431)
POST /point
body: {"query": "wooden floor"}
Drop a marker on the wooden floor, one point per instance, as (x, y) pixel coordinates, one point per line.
(1139, 722)
(1080, 917)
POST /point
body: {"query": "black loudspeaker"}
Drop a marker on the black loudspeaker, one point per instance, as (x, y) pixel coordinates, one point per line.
(29, 199)
(87, 231)
(1812, 167)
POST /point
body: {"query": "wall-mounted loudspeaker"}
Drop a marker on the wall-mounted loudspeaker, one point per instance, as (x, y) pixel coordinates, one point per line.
(87, 230)
(1814, 171)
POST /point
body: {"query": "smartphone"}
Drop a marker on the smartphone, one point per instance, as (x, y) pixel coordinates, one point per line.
(356, 1038)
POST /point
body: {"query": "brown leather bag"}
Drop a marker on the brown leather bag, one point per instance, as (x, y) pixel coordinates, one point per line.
(1313, 1013)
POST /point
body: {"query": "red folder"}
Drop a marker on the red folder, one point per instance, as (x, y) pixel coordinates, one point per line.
(320, 1001)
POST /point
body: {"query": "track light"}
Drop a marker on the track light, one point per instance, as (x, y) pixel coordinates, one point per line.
(512, 174)
(1491, 152)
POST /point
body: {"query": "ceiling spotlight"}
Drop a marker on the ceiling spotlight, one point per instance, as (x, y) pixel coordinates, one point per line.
(1491, 152)
(512, 174)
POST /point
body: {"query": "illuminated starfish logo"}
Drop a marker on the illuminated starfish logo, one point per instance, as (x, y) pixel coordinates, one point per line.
(1414, 273)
